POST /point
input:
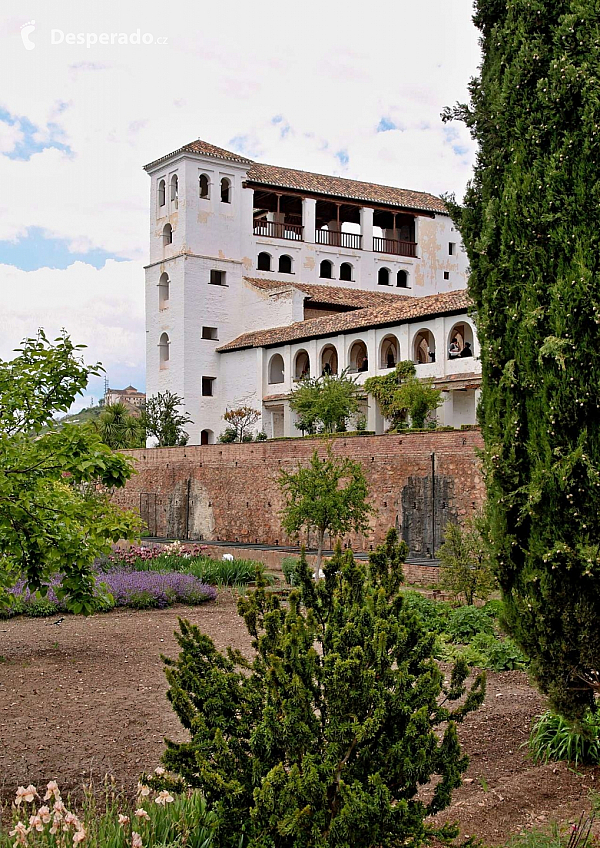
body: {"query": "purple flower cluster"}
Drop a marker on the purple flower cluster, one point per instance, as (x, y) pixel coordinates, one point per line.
(138, 589)
(133, 588)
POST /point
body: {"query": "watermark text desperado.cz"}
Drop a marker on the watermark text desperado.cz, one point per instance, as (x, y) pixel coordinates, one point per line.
(57, 36)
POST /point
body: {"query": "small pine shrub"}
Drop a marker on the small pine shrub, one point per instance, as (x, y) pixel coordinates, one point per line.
(554, 738)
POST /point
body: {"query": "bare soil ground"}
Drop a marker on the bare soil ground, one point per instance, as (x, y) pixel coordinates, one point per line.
(87, 698)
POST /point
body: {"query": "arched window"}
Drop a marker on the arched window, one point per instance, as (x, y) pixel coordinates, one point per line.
(285, 264)
(204, 185)
(167, 234)
(164, 286)
(175, 191)
(358, 357)
(383, 277)
(276, 372)
(460, 341)
(346, 272)
(207, 437)
(326, 270)
(225, 190)
(163, 351)
(302, 365)
(264, 262)
(402, 279)
(329, 360)
(424, 347)
(390, 352)
(161, 193)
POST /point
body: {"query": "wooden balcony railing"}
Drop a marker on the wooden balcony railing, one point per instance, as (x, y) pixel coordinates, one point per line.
(352, 241)
(278, 229)
(394, 246)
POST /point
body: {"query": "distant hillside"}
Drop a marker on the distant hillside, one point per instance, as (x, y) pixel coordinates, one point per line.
(89, 414)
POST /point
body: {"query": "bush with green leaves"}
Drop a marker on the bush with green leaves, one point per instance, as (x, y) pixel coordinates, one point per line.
(554, 738)
(327, 735)
(471, 633)
(289, 566)
(463, 623)
(465, 566)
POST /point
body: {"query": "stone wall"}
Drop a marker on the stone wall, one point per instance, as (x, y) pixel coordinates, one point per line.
(231, 493)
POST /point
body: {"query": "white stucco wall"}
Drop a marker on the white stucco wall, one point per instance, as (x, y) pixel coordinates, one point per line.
(211, 235)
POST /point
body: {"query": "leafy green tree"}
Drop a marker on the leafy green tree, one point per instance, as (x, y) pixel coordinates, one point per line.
(530, 226)
(325, 403)
(54, 518)
(240, 420)
(465, 568)
(119, 429)
(163, 421)
(329, 495)
(327, 736)
(402, 393)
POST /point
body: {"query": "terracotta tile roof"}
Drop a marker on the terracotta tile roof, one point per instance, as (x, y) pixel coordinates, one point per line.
(272, 175)
(290, 178)
(408, 309)
(336, 295)
(206, 149)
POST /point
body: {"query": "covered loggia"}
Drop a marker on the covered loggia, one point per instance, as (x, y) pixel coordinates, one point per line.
(277, 215)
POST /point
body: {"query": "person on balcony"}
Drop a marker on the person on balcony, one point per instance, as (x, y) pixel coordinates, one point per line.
(454, 349)
(466, 351)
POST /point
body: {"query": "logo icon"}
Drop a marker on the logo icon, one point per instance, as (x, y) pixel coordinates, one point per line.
(26, 31)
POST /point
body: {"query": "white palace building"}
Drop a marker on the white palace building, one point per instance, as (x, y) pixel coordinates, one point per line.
(260, 275)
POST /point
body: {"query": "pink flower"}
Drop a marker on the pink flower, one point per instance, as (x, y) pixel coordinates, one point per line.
(79, 836)
(159, 771)
(36, 823)
(143, 790)
(26, 794)
(53, 789)
(163, 798)
(136, 840)
(123, 819)
(142, 814)
(20, 831)
(44, 814)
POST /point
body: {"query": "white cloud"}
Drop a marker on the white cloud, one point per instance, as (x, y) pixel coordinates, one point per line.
(331, 71)
(102, 309)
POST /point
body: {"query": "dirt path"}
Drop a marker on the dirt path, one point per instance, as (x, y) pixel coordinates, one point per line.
(87, 698)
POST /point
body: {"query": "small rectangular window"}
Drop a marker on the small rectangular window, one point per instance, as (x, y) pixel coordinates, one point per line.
(217, 278)
(446, 275)
(210, 333)
(208, 384)
(451, 248)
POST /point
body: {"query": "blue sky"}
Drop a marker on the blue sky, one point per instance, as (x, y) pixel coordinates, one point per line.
(336, 93)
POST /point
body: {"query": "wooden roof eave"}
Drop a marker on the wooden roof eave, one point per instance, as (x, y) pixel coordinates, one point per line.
(345, 199)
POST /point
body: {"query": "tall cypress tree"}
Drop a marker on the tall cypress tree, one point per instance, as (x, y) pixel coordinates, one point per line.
(531, 227)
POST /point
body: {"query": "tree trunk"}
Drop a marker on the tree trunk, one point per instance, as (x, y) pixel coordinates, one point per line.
(319, 554)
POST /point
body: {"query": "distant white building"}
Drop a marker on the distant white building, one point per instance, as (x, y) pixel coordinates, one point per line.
(259, 275)
(129, 397)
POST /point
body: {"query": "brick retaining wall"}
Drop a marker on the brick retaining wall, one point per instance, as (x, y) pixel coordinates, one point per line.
(231, 492)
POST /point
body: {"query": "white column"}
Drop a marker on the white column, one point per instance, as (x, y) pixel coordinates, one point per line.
(309, 218)
(311, 349)
(372, 352)
(340, 344)
(366, 228)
